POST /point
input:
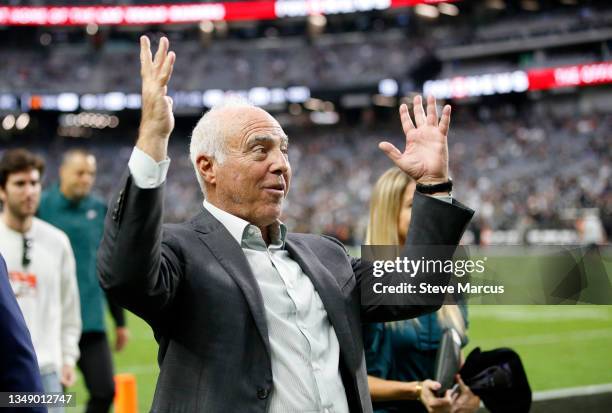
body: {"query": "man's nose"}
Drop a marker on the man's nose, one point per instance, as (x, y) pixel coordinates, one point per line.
(280, 165)
(31, 189)
(87, 180)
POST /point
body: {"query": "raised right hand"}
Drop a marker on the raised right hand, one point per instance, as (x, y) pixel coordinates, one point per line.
(157, 120)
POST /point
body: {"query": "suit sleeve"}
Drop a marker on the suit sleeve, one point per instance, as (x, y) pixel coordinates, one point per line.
(116, 311)
(435, 225)
(138, 269)
(19, 365)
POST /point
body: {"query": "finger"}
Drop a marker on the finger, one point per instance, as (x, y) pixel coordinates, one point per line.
(390, 150)
(407, 124)
(419, 113)
(145, 54)
(439, 401)
(162, 49)
(445, 120)
(166, 70)
(434, 385)
(432, 111)
(462, 385)
(169, 100)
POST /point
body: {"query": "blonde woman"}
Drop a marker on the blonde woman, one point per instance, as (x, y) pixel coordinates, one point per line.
(400, 355)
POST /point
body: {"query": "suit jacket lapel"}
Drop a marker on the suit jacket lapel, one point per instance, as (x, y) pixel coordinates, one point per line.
(329, 291)
(231, 257)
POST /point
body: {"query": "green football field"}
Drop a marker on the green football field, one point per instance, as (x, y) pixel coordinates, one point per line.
(561, 346)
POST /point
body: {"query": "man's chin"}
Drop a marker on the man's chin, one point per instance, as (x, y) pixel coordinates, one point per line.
(271, 214)
(26, 213)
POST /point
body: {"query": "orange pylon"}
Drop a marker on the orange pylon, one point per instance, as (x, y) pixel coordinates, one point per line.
(126, 400)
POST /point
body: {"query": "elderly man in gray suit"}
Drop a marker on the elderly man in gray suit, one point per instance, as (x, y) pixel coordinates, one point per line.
(250, 317)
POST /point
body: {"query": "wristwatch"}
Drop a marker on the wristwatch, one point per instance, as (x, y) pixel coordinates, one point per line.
(419, 388)
(433, 189)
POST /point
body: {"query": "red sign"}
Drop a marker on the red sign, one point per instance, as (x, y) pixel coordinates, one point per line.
(190, 13)
(567, 76)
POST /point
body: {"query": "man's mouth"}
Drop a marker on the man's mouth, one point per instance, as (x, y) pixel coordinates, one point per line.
(275, 188)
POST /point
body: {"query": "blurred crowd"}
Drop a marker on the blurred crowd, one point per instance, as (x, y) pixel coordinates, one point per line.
(374, 49)
(517, 170)
(347, 62)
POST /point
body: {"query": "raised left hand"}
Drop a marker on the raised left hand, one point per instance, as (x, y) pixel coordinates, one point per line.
(465, 401)
(425, 157)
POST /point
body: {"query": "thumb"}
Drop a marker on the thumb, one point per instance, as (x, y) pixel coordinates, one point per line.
(390, 150)
(462, 385)
(434, 385)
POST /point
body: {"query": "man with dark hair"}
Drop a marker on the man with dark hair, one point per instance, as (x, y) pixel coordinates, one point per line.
(19, 160)
(41, 270)
(71, 207)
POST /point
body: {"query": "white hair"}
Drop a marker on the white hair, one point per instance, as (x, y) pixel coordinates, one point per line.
(209, 135)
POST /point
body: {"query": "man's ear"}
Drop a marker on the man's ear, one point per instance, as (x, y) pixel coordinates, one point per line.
(205, 165)
(2, 195)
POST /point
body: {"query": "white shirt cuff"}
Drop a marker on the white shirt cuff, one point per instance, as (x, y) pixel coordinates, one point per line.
(445, 198)
(147, 173)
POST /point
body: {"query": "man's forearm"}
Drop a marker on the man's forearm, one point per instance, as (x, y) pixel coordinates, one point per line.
(154, 146)
(383, 390)
(130, 254)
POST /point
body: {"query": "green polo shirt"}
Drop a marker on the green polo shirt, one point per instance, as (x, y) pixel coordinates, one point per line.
(83, 222)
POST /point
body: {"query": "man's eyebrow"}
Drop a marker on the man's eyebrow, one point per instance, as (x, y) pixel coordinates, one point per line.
(263, 139)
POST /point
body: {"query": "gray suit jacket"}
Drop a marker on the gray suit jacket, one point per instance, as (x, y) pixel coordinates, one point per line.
(192, 283)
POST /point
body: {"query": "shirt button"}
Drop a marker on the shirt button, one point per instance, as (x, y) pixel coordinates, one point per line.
(262, 393)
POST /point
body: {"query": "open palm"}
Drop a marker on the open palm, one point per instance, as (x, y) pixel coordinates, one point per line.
(425, 157)
(157, 118)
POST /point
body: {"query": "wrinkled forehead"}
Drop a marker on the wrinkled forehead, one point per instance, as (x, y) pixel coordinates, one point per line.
(247, 124)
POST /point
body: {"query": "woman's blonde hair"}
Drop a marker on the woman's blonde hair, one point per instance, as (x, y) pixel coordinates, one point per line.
(385, 206)
(383, 228)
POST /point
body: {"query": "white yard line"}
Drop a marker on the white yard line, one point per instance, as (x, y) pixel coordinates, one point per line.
(549, 338)
(539, 313)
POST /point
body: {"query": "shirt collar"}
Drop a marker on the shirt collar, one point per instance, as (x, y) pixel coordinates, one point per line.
(246, 234)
